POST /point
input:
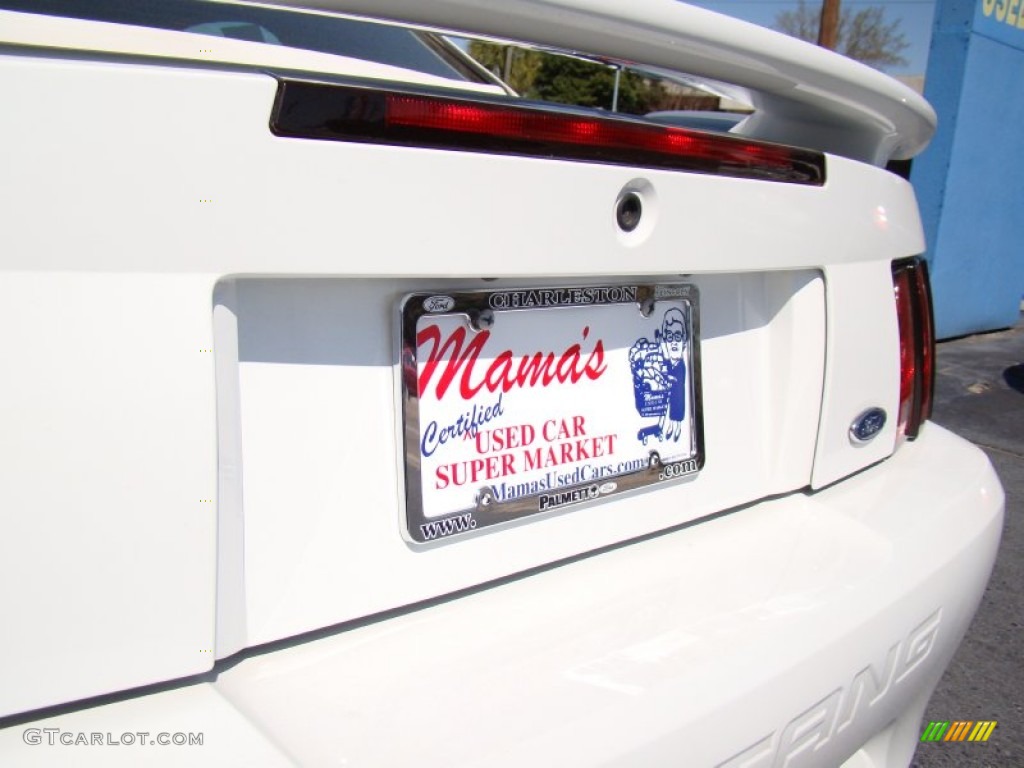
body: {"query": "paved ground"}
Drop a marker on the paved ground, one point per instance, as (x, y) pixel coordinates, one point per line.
(980, 395)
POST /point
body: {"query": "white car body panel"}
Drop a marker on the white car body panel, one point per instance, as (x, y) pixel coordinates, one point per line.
(214, 160)
(237, 231)
(205, 454)
(856, 606)
(110, 452)
(858, 338)
(567, 667)
(303, 569)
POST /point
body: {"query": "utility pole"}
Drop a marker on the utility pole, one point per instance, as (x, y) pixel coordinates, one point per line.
(828, 31)
(509, 52)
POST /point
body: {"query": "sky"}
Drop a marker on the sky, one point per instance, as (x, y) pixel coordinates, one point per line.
(915, 21)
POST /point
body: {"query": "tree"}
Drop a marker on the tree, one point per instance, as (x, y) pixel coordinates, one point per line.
(864, 35)
(570, 80)
(566, 79)
(522, 64)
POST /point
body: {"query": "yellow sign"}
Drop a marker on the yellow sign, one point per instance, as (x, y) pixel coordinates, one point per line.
(1009, 12)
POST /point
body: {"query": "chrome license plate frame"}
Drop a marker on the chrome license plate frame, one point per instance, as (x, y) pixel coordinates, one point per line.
(520, 402)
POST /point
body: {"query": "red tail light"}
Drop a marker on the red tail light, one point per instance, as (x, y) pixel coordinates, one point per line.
(917, 344)
(355, 113)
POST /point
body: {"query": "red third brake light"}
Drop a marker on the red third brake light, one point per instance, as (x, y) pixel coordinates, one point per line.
(510, 127)
(917, 344)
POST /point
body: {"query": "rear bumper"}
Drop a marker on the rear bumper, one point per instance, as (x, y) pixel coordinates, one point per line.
(809, 627)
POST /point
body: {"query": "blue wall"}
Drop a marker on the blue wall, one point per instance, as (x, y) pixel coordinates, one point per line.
(970, 180)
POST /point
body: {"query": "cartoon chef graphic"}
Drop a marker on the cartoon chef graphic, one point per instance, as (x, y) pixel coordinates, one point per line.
(672, 340)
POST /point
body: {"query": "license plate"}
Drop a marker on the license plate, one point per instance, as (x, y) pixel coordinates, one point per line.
(523, 402)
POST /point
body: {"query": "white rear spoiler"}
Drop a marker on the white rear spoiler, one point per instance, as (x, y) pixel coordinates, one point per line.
(803, 94)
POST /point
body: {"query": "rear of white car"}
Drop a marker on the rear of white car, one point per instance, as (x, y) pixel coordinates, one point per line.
(287, 480)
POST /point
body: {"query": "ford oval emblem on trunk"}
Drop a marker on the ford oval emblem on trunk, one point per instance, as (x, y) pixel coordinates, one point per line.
(867, 426)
